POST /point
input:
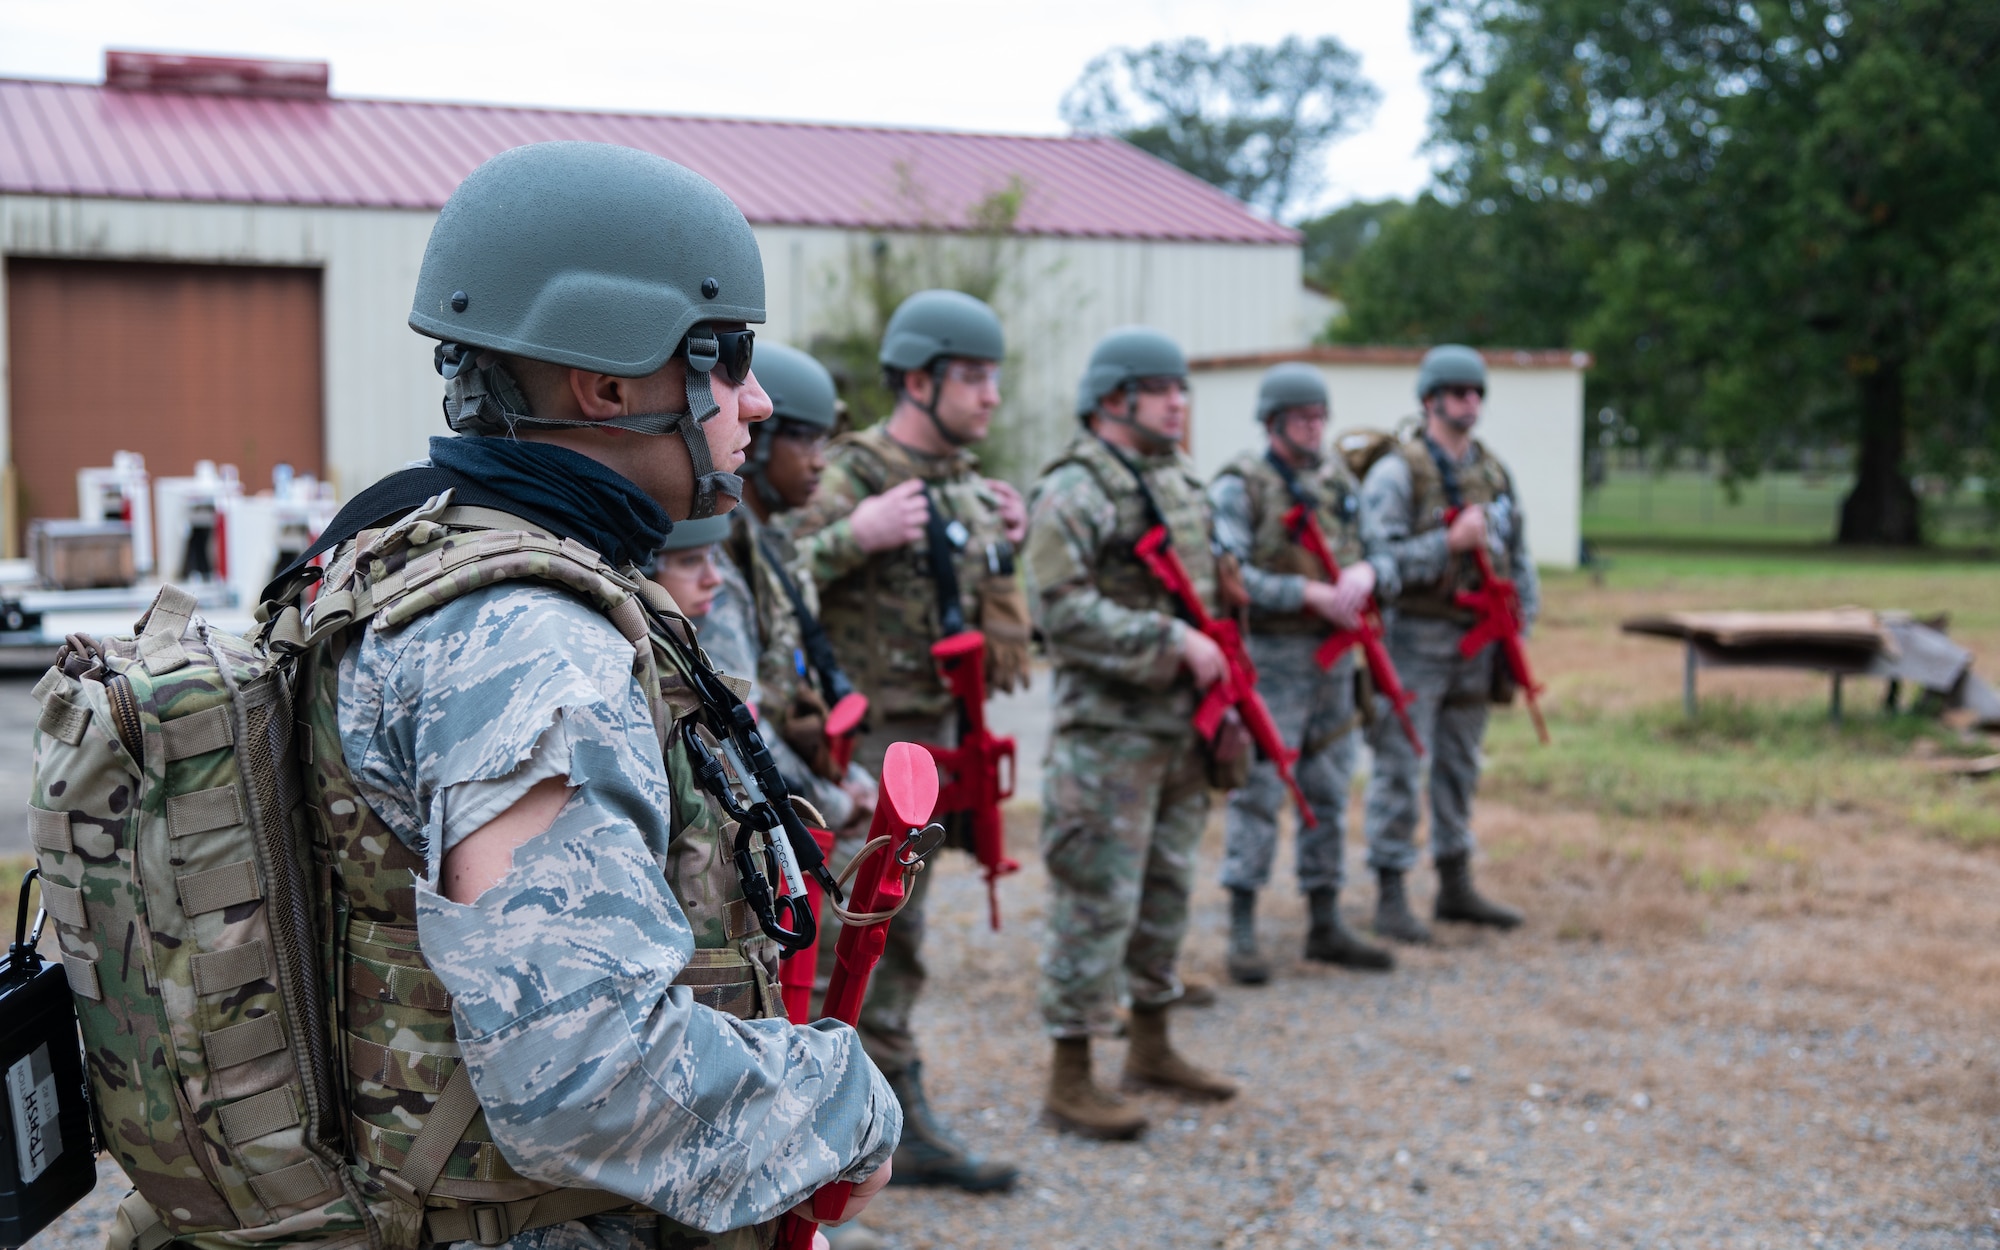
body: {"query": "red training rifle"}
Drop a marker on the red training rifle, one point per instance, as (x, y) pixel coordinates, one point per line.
(975, 782)
(1237, 688)
(1498, 607)
(1304, 527)
(908, 797)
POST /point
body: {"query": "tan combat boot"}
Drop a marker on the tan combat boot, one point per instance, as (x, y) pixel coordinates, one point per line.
(1082, 1106)
(1153, 1063)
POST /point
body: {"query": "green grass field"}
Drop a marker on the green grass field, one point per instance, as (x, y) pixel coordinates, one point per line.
(1634, 757)
(1685, 505)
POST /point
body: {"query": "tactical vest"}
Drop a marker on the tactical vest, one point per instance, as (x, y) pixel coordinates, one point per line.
(883, 617)
(1481, 481)
(1121, 577)
(393, 1022)
(792, 702)
(1272, 547)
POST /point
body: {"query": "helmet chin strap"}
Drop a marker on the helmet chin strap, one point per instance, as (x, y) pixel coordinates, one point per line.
(1306, 457)
(481, 397)
(937, 371)
(1153, 443)
(755, 469)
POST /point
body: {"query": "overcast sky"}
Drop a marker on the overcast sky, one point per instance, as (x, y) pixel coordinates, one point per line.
(960, 64)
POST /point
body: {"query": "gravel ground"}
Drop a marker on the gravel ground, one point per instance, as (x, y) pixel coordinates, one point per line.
(1760, 1084)
(1807, 1061)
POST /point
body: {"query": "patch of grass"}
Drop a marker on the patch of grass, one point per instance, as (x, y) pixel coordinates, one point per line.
(1971, 815)
(1732, 763)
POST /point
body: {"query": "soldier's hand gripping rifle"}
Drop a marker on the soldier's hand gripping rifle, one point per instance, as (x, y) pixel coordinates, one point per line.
(1497, 605)
(979, 771)
(846, 706)
(882, 870)
(1238, 686)
(1367, 633)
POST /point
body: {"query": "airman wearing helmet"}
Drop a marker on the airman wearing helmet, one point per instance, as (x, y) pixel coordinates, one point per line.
(1293, 606)
(1430, 506)
(867, 537)
(495, 752)
(1126, 792)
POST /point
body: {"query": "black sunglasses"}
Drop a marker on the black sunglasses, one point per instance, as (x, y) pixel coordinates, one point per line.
(730, 350)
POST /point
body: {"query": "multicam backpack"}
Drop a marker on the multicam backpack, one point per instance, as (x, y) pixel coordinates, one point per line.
(173, 817)
(175, 864)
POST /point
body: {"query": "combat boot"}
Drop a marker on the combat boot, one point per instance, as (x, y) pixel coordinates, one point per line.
(928, 1155)
(1393, 918)
(1458, 900)
(1196, 992)
(1082, 1106)
(1152, 1062)
(1247, 965)
(1330, 941)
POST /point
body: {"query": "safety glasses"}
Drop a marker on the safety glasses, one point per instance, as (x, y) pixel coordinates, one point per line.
(708, 349)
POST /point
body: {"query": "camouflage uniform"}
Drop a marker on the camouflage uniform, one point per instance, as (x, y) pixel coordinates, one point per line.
(1314, 709)
(583, 988)
(880, 612)
(1403, 504)
(1125, 795)
(750, 631)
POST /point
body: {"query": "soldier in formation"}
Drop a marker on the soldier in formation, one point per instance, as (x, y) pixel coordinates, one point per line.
(1126, 791)
(506, 754)
(1293, 606)
(909, 543)
(1430, 502)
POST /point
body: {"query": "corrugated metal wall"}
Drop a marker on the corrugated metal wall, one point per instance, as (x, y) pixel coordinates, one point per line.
(381, 395)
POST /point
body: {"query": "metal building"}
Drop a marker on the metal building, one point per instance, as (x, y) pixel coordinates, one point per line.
(209, 258)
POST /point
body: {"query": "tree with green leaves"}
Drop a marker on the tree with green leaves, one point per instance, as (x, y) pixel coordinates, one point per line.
(1773, 221)
(1334, 239)
(1249, 118)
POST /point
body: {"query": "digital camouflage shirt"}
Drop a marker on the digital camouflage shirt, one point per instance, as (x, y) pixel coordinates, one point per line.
(1111, 628)
(1250, 500)
(1403, 507)
(881, 609)
(745, 637)
(594, 1068)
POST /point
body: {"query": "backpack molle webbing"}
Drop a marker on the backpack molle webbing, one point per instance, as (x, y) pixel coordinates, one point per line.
(165, 823)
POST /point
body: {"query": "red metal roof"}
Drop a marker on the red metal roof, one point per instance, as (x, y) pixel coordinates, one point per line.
(81, 139)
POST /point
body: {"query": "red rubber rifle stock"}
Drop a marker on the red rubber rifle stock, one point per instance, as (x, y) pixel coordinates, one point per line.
(1497, 605)
(1304, 528)
(908, 796)
(975, 781)
(1238, 687)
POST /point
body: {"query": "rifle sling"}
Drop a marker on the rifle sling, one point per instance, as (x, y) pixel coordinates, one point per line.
(1153, 513)
(944, 567)
(819, 650)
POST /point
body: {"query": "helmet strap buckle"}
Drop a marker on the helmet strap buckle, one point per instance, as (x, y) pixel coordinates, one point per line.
(704, 352)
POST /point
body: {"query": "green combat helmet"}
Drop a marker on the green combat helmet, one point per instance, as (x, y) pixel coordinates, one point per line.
(597, 257)
(1118, 362)
(933, 327)
(698, 533)
(1294, 384)
(1291, 385)
(802, 395)
(1450, 364)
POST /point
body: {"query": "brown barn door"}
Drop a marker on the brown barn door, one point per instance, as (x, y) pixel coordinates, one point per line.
(176, 362)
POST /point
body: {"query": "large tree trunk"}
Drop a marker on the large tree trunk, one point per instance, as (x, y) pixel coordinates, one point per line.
(1882, 508)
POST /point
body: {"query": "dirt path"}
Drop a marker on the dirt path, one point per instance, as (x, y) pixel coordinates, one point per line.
(1809, 1066)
